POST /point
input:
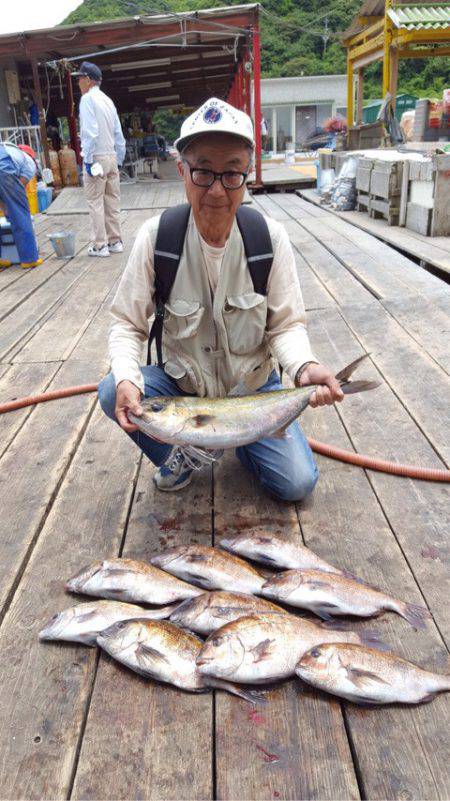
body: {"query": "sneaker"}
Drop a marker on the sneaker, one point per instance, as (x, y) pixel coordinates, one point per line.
(175, 473)
(103, 252)
(30, 264)
(116, 247)
(5, 263)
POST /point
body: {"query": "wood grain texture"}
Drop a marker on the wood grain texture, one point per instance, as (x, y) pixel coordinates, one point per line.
(161, 736)
(295, 745)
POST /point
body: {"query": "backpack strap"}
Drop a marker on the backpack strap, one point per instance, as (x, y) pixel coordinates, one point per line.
(257, 245)
(168, 249)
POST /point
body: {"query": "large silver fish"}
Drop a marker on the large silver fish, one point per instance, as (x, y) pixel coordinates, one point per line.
(366, 676)
(274, 551)
(211, 610)
(219, 423)
(330, 594)
(209, 568)
(160, 650)
(83, 623)
(263, 648)
(130, 580)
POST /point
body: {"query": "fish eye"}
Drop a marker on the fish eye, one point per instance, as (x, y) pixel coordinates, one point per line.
(315, 653)
(157, 406)
(216, 641)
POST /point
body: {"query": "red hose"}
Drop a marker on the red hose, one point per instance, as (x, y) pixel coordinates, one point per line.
(369, 462)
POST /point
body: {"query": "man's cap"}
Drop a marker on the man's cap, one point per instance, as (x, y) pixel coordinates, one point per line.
(28, 150)
(215, 116)
(90, 70)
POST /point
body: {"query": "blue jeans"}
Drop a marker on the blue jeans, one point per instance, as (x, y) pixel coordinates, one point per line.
(14, 198)
(284, 467)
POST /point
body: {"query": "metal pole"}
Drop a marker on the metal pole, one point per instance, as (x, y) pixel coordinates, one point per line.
(257, 98)
(72, 118)
(248, 87)
(40, 105)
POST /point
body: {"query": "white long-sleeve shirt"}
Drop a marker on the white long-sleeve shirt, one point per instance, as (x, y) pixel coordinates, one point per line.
(100, 129)
(134, 304)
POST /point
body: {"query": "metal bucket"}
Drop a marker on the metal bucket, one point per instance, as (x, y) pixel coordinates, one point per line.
(63, 243)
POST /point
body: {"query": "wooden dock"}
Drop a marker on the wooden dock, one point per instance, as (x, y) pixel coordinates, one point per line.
(74, 489)
(430, 251)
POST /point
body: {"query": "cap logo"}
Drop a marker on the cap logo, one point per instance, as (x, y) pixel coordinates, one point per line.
(212, 115)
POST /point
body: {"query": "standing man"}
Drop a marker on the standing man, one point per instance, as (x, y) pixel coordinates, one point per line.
(217, 329)
(103, 150)
(17, 168)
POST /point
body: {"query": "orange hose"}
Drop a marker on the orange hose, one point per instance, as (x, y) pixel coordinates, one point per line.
(369, 462)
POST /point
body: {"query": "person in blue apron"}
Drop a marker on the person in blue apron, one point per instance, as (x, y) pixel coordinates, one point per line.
(17, 168)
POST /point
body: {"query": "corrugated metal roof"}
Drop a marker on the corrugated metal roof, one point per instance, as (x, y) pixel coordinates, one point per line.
(420, 17)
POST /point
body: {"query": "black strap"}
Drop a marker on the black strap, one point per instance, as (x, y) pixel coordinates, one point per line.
(257, 245)
(169, 248)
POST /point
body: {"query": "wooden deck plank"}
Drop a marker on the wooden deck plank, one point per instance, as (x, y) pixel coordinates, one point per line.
(143, 195)
(400, 752)
(46, 687)
(422, 248)
(292, 729)
(58, 335)
(382, 283)
(379, 425)
(407, 369)
(428, 322)
(21, 381)
(162, 756)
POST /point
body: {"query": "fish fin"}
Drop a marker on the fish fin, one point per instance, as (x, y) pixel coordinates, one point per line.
(108, 572)
(262, 650)
(201, 420)
(364, 678)
(252, 696)
(346, 372)
(162, 612)
(196, 557)
(263, 539)
(427, 698)
(415, 615)
(320, 612)
(359, 386)
(262, 557)
(87, 615)
(337, 625)
(316, 584)
(238, 390)
(360, 699)
(280, 433)
(200, 581)
(146, 653)
(371, 639)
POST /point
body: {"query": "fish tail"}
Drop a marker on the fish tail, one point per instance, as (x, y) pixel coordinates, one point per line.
(371, 639)
(415, 615)
(350, 387)
(252, 696)
(161, 613)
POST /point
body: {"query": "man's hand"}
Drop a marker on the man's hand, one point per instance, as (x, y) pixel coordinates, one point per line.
(328, 390)
(128, 399)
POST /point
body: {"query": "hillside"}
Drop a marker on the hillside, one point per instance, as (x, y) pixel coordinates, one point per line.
(299, 37)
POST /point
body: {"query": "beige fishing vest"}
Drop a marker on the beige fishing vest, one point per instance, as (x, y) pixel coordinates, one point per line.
(211, 344)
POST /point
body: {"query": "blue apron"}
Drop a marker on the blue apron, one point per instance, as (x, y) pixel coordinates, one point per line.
(14, 198)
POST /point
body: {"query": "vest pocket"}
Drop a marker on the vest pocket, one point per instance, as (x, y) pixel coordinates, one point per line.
(245, 318)
(182, 318)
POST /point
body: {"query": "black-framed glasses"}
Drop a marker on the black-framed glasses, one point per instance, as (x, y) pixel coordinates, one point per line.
(205, 178)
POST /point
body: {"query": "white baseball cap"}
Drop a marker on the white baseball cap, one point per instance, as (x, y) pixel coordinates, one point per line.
(215, 116)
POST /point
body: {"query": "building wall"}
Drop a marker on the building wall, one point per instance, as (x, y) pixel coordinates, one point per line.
(294, 107)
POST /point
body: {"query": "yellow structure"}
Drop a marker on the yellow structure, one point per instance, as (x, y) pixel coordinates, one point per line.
(387, 31)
